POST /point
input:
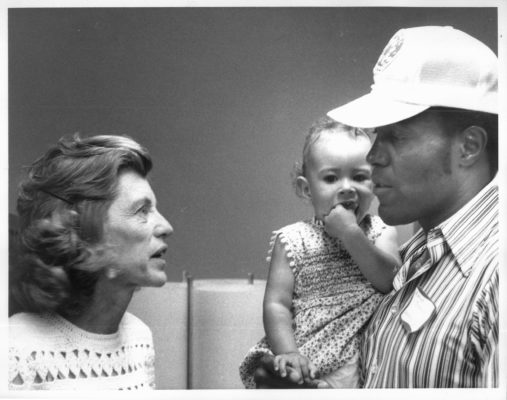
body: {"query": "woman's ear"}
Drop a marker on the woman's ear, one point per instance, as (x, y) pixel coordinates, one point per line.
(473, 145)
(111, 273)
(303, 188)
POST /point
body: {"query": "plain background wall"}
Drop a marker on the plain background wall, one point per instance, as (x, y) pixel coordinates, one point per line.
(222, 98)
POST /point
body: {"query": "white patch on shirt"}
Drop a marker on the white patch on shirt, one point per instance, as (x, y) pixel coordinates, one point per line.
(418, 312)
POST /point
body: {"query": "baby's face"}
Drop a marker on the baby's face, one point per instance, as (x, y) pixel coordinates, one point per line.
(337, 173)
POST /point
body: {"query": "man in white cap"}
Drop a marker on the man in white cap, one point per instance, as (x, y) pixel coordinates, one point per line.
(434, 108)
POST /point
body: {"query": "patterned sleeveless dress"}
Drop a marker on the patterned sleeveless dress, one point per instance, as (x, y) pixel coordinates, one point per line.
(332, 300)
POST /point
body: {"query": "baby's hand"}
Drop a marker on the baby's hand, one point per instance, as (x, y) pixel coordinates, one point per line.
(297, 361)
(339, 220)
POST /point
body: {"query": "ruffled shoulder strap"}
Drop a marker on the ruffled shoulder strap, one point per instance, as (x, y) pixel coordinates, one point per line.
(373, 226)
(295, 238)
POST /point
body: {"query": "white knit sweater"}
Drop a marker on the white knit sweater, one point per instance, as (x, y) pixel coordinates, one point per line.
(48, 352)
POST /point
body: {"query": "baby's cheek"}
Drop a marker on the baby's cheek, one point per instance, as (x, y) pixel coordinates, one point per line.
(369, 185)
(367, 194)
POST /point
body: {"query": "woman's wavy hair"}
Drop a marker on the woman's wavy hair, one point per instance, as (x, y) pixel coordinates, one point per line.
(323, 124)
(62, 206)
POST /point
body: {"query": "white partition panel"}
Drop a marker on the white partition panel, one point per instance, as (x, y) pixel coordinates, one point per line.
(226, 320)
(165, 311)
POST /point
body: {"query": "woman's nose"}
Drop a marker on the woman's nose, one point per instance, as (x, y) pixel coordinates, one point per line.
(163, 227)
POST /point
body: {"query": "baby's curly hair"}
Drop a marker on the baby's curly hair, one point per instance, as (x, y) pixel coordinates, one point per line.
(62, 206)
(323, 124)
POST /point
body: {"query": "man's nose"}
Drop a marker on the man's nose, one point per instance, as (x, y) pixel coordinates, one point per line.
(377, 155)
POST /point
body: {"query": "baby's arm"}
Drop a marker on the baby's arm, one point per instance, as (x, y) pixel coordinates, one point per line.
(378, 262)
(278, 316)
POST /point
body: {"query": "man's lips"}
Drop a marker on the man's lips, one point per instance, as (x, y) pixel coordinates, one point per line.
(379, 181)
(380, 185)
(381, 188)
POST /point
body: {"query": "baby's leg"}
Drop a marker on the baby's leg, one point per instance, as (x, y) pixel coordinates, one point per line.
(345, 377)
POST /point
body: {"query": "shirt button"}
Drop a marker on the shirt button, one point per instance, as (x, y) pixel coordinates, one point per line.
(374, 367)
(394, 309)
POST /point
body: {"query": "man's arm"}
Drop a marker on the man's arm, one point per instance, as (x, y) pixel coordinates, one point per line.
(485, 332)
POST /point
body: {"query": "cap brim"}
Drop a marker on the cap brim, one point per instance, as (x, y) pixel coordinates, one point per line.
(371, 111)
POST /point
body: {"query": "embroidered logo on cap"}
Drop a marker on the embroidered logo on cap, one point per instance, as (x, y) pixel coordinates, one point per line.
(389, 52)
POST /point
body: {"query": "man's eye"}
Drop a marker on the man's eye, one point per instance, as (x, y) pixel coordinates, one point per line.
(389, 136)
(372, 133)
(396, 137)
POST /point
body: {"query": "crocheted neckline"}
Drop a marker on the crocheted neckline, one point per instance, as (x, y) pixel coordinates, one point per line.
(66, 325)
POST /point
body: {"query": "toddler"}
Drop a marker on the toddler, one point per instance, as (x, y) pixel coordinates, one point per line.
(327, 274)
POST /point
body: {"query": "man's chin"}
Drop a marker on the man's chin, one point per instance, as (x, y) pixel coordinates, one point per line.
(390, 216)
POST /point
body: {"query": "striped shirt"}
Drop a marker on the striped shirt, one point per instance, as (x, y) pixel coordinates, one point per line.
(440, 327)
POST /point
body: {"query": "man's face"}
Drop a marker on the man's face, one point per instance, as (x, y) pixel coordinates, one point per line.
(413, 171)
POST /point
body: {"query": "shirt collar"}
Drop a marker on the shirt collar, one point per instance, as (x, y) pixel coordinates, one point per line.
(465, 230)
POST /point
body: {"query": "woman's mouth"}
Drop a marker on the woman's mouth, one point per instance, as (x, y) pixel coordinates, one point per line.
(159, 253)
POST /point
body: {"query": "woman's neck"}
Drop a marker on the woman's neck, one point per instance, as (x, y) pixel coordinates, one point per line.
(105, 310)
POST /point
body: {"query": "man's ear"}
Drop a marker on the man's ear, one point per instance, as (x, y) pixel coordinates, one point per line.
(303, 188)
(472, 145)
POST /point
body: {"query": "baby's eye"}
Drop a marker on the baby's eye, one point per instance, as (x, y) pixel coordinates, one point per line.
(330, 178)
(361, 178)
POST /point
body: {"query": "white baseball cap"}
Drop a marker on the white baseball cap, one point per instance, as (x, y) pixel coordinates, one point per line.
(425, 67)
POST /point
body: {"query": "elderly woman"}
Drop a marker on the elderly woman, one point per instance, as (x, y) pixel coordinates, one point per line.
(90, 234)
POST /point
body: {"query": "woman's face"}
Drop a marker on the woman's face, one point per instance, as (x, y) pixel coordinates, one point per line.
(135, 233)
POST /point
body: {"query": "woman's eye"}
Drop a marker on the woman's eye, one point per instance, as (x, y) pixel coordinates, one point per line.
(144, 210)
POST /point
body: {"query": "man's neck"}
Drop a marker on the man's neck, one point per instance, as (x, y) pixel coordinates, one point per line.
(470, 185)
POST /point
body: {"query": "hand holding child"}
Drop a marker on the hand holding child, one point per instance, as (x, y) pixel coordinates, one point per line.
(298, 362)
